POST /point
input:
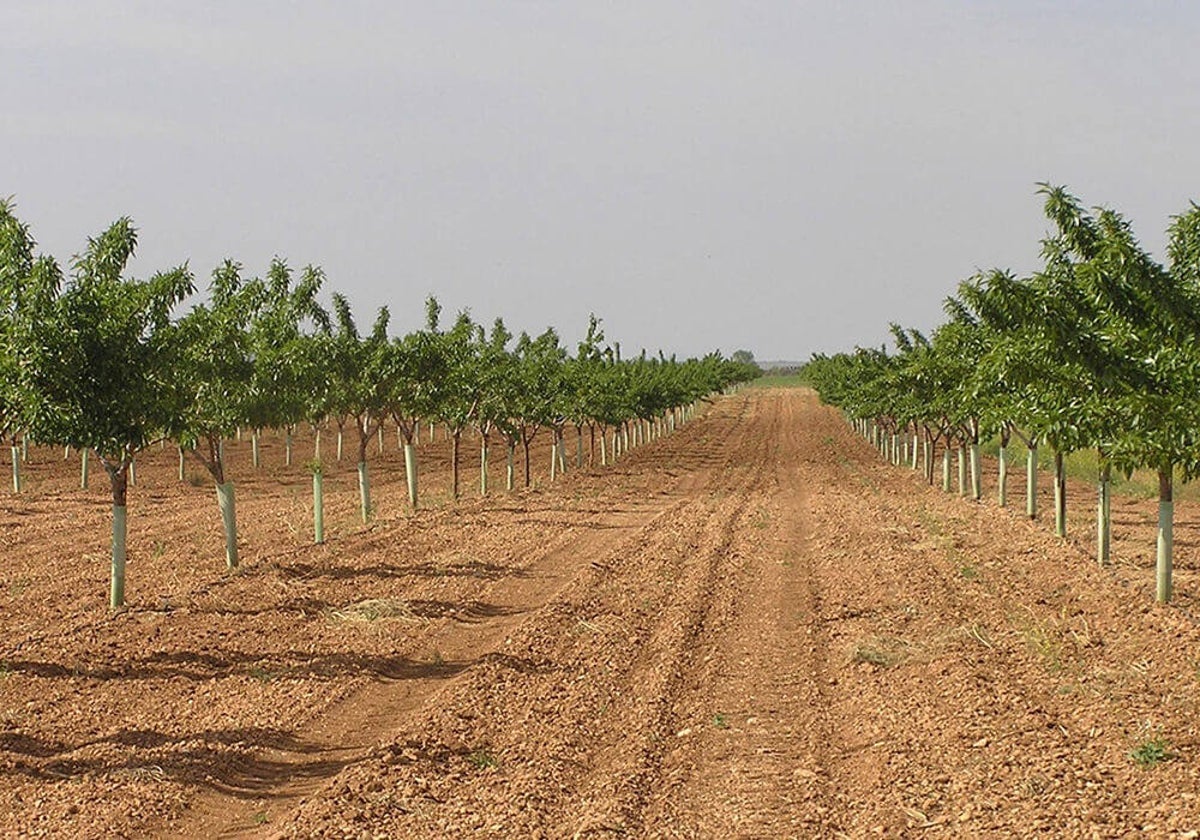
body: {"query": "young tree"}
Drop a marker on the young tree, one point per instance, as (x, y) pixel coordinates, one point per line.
(359, 388)
(539, 369)
(284, 369)
(458, 391)
(414, 366)
(98, 363)
(496, 383)
(19, 268)
(215, 376)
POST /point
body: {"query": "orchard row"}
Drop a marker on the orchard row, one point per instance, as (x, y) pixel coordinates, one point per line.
(1096, 350)
(98, 361)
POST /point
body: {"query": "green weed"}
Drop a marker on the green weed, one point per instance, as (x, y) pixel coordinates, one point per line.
(482, 759)
(1152, 752)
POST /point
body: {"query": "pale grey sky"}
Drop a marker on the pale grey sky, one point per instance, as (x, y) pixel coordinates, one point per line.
(781, 176)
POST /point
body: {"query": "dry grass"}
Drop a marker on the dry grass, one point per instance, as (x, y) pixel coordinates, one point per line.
(882, 651)
(376, 609)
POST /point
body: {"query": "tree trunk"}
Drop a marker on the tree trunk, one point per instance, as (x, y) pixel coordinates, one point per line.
(603, 447)
(1003, 478)
(1166, 525)
(455, 439)
(318, 507)
(976, 473)
(116, 591)
(287, 450)
(229, 520)
(364, 491)
(83, 469)
(483, 464)
(254, 451)
(339, 444)
(962, 469)
(1060, 495)
(410, 472)
(182, 471)
(946, 484)
(1104, 516)
(1031, 481)
(16, 469)
(509, 468)
(364, 478)
(579, 447)
(525, 444)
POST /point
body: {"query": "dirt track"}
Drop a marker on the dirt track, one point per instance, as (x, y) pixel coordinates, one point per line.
(753, 628)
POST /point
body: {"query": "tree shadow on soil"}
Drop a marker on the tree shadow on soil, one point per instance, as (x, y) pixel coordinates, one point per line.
(473, 569)
(223, 760)
(228, 760)
(266, 668)
(419, 608)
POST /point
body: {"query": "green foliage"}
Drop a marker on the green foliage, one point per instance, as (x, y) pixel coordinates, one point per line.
(99, 361)
(1151, 752)
(98, 356)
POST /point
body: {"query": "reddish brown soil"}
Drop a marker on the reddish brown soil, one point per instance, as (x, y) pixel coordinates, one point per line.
(752, 628)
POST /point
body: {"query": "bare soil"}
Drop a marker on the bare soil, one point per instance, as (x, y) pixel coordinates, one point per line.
(751, 628)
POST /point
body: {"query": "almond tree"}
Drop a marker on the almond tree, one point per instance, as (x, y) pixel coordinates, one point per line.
(539, 370)
(358, 382)
(19, 268)
(98, 359)
(215, 375)
(458, 392)
(414, 366)
(1142, 352)
(283, 385)
(496, 383)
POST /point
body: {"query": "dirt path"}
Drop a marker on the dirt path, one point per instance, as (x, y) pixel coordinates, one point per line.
(812, 644)
(753, 628)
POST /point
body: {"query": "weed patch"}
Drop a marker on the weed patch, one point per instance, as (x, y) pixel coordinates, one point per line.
(482, 759)
(881, 651)
(375, 609)
(1152, 752)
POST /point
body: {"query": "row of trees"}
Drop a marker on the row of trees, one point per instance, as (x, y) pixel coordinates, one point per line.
(101, 362)
(1097, 350)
